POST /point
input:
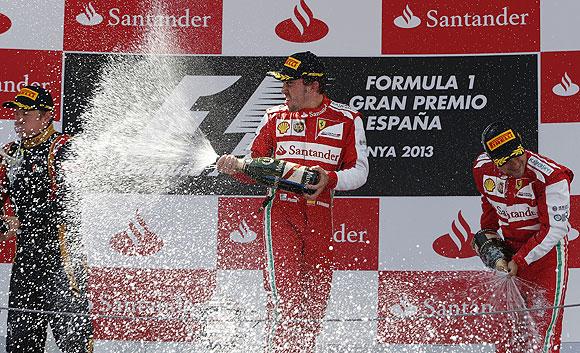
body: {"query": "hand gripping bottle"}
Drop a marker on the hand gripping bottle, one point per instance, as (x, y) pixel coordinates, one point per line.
(280, 174)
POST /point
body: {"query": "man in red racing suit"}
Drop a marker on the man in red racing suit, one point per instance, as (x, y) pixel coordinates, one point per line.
(311, 130)
(527, 195)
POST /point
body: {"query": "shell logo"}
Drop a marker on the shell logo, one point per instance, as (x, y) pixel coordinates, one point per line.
(283, 127)
(489, 184)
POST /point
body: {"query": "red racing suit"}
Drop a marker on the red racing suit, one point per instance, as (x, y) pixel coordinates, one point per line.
(298, 233)
(532, 212)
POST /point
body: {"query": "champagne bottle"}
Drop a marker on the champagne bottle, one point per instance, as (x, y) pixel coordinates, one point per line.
(281, 174)
(492, 250)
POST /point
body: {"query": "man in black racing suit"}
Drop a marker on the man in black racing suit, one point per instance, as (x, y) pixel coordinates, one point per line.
(49, 271)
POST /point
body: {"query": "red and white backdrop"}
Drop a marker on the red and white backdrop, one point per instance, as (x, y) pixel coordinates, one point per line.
(428, 76)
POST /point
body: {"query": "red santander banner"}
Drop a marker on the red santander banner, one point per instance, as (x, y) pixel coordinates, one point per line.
(149, 304)
(177, 27)
(560, 87)
(240, 233)
(355, 234)
(19, 68)
(460, 27)
(450, 308)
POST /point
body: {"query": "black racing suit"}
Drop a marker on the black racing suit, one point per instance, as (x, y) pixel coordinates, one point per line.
(48, 272)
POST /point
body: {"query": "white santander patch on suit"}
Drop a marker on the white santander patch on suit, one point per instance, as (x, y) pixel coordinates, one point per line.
(308, 151)
(515, 213)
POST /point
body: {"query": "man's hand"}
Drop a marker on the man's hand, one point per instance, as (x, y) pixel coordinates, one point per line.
(13, 225)
(228, 164)
(319, 187)
(512, 268)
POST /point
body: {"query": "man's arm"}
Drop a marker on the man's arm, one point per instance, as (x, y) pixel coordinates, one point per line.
(489, 218)
(355, 167)
(11, 224)
(553, 212)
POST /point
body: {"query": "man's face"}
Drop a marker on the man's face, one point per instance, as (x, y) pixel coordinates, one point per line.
(515, 167)
(30, 123)
(295, 92)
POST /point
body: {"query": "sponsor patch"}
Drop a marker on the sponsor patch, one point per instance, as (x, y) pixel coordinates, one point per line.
(292, 63)
(308, 151)
(500, 187)
(293, 127)
(288, 198)
(329, 129)
(28, 93)
(561, 217)
(516, 212)
(282, 127)
(541, 166)
(298, 126)
(500, 140)
(494, 185)
(526, 192)
(489, 185)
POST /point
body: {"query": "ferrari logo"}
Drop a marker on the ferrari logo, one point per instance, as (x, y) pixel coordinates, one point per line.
(321, 124)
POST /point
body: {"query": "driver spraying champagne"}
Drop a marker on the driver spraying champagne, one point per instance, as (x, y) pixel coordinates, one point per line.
(527, 196)
(304, 150)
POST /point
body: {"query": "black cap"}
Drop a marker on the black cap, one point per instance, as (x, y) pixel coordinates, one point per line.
(300, 65)
(31, 98)
(501, 142)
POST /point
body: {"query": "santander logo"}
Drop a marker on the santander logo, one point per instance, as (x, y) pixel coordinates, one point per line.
(403, 309)
(500, 18)
(90, 17)
(303, 27)
(407, 20)
(5, 23)
(447, 247)
(137, 242)
(281, 150)
(244, 234)
(566, 88)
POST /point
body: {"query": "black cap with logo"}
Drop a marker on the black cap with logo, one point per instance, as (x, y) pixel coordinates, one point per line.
(501, 142)
(31, 98)
(300, 65)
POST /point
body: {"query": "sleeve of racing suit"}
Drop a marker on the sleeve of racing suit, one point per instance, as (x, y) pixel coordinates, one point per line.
(355, 167)
(7, 207)
(58, 153)
(489, 218)
(261, 146)
(553, 211)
